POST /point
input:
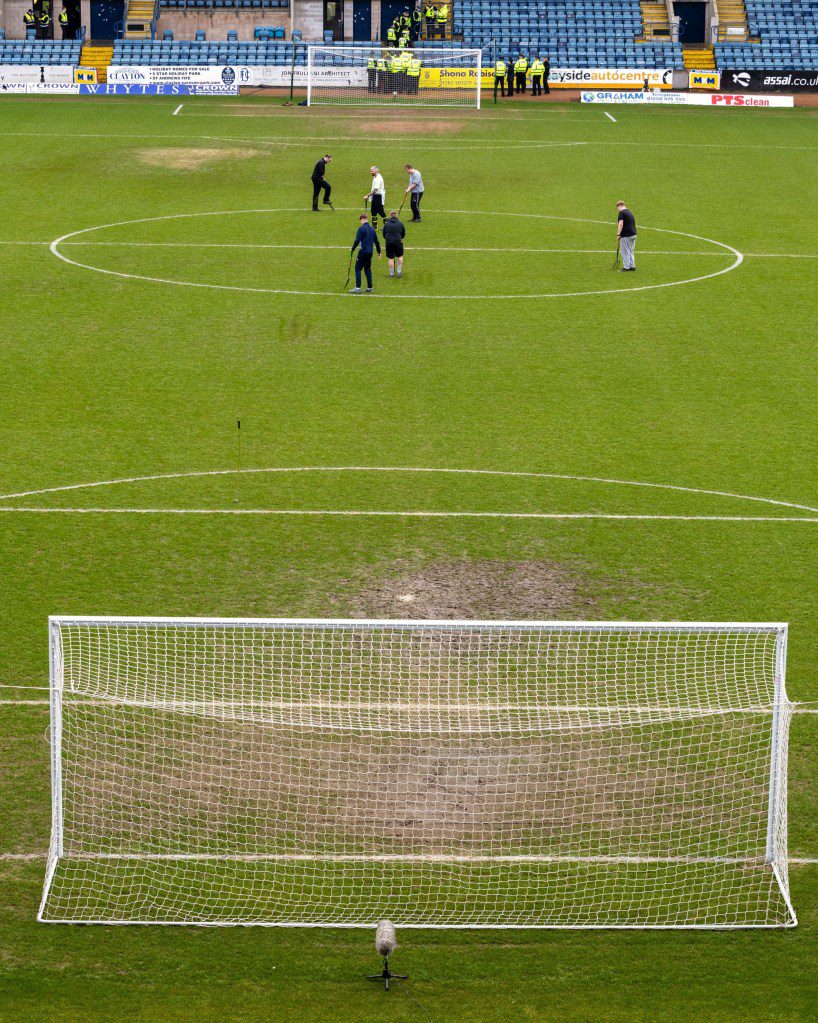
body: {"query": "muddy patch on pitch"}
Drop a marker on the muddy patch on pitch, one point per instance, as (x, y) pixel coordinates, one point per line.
(478, 589)
(407, 127)
(191, 159)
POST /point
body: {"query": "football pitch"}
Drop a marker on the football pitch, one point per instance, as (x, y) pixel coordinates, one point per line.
(512, 430)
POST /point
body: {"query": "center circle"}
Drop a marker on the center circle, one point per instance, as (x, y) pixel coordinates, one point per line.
(585, 250)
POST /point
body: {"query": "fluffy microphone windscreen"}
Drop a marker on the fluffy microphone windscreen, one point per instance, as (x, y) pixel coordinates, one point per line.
(385, 941)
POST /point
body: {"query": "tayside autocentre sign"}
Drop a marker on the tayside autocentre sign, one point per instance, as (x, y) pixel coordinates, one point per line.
(769, 81)
(610, 78)
(717, 99)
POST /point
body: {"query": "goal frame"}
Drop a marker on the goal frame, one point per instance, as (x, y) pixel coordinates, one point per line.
(775, 810)
(442, 51)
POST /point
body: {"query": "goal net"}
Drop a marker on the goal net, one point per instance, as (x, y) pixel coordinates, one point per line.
(420, 77)
(441, 774)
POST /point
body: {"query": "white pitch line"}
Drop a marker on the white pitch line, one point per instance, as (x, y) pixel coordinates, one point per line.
(414, 248)
(411, 248)
(32, 856)
(176, 111)
(610, 116)
(373, 513)
(55, 249)
(420, 470)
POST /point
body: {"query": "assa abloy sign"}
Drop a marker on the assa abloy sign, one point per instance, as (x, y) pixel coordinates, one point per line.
(769, 81)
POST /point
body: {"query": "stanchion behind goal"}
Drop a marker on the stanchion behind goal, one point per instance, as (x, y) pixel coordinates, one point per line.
(421, 77)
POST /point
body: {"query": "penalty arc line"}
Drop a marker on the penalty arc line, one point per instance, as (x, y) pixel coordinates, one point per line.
(422, 470)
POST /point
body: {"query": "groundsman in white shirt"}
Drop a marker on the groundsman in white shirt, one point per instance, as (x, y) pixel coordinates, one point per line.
(378, 196)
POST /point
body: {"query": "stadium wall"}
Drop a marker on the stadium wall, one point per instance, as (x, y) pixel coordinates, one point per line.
(185, 24)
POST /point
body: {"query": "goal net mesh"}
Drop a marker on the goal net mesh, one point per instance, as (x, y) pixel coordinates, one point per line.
(439, 774)
(345, 76)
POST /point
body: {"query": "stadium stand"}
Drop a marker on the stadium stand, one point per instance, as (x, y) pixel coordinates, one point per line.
(579, 33)
(787, 34)
(39, 51)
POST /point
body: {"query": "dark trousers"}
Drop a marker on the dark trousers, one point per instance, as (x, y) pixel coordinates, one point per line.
(510, 82)
(66, 32)
(536, 85)
(377, 207)
(363, 262)
(317, 185)
(499, 80)
(430, 28)
(545, 80)
(520, 81)
(414, 201)
(370, 79)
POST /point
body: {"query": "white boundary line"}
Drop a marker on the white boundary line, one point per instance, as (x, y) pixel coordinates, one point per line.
(176, 111)
(610, 117)
(394, 295)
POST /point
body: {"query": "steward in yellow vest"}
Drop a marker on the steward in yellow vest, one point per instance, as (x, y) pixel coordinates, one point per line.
(413, 76)
(442, 20)
(430, 14)
(500, 77)
(537, 72)
(520, 69)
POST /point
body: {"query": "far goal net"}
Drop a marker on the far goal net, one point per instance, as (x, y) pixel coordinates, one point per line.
(420, 77)
(440, 774)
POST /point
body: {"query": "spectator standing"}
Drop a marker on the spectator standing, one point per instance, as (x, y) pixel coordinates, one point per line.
(414, 191)
(626, 236)
(366, 241)
(393, 234)
(510, 75)
(319, 183)
(546, 73)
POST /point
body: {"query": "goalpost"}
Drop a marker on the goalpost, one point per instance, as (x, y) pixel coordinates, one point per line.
(438, 773)
(364, 76)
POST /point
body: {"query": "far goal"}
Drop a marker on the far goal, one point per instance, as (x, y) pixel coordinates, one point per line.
(420, 77)
(436, 773)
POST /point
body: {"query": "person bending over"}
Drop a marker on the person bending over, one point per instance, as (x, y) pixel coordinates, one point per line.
(366, 240)
(626, 235)
(393, 234)
(319, 183)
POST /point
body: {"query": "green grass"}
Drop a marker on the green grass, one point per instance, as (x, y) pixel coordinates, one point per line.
(708, 385)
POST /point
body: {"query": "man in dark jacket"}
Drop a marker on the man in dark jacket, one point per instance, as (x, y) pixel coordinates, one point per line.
(393, 234)
(319, 183)
(367, 239)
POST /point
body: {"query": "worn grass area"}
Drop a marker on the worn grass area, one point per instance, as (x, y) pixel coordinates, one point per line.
(708, 385)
